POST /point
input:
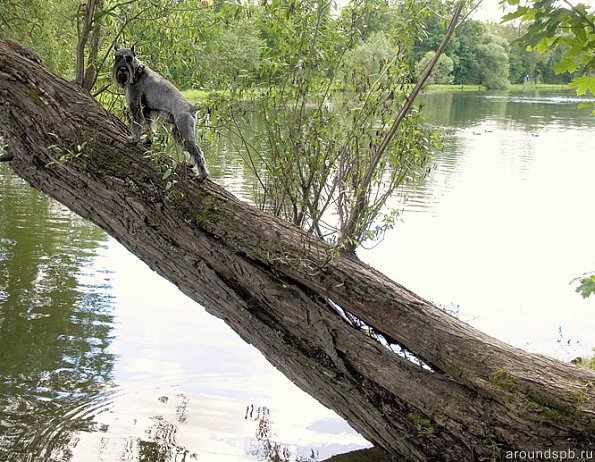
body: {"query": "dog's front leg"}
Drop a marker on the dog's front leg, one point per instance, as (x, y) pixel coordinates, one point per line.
(150, 117)
(138, 119)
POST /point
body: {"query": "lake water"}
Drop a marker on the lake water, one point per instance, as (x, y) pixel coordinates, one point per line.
(102, 360)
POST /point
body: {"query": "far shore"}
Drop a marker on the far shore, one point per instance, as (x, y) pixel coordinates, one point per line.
(201, 95)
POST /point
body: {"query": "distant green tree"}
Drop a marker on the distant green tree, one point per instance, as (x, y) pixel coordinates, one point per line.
(371, 57)
(234, 53)
(492, 59)
(466, 67)
(367, 17)
(442, 73)
(544, 67)
(47, 28)
(162, 29)
(430, 34)
(482, 58)
(287, 28)
(329, 164)
(523, 63)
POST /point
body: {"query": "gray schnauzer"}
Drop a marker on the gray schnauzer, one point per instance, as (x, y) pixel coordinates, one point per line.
(148, 96)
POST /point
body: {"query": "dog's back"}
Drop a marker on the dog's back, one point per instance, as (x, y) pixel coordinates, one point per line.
(160, 94)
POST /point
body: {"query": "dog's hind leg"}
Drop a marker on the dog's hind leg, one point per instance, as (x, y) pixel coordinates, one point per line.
(183, 132)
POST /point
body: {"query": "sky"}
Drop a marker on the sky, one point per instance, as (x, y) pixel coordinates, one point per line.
(489, 10)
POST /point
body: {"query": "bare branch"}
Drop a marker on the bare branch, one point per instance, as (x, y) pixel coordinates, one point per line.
(380, 150)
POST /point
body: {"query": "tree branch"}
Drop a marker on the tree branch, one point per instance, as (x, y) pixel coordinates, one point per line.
(380, 150)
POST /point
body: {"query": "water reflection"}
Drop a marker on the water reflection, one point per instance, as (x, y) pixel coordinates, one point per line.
(102, 360)
(54, 323)
(101, 364)
(160, 442)
(266, 447)
(505, 221)
(520, 110)
(226, 154)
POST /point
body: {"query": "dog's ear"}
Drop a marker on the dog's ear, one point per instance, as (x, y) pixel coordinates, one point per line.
(133, 50)
(116, 46)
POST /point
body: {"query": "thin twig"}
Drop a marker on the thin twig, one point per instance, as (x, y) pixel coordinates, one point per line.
(380, 150)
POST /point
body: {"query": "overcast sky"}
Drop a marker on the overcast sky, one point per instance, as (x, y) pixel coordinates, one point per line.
(489, 10)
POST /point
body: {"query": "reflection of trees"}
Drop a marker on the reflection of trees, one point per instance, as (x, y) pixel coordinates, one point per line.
(54, 329)
(160, 442)
(265, 447)
(160, 445)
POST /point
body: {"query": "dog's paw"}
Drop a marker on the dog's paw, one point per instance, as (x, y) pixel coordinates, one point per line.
(200, 174)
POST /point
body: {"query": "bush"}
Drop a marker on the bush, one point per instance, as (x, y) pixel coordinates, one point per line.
(233, 54)
(442, 72)
(371, 56)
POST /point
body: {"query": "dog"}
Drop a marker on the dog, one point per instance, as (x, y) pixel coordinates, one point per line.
(148, 96)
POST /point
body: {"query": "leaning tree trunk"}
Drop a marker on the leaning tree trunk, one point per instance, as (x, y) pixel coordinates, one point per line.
(286, 292)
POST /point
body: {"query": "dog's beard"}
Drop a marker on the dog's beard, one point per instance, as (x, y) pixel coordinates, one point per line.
(123, 75)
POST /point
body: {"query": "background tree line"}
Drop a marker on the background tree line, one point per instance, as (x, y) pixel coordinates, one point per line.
(219, 43)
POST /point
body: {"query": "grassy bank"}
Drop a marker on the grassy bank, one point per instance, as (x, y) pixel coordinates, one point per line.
(514, 87)
(201, 95)
(537, 86)
(439, 88)
(585, 362)
(196, 95)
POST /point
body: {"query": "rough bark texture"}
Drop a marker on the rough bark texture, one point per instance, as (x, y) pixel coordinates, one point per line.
(279, 288)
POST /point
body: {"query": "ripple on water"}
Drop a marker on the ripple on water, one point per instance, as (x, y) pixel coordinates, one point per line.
(193, 418)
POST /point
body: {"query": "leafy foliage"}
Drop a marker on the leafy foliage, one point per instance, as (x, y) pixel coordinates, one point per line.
(467, 67)
(569, 28)
(371, 56)
(442, 73)
(586, 285)
(325, 82)
(48, 28)
(313, 145)
(493, 63)
(226, 43)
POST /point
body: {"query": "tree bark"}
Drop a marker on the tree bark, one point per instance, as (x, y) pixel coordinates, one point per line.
(287, 292)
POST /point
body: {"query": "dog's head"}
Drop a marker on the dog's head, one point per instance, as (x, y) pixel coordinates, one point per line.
(127, 67)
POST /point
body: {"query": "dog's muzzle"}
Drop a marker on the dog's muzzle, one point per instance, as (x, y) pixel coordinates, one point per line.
(123, 75)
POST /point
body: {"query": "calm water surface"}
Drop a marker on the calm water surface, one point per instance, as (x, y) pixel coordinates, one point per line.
(102, 360)
(506, 221)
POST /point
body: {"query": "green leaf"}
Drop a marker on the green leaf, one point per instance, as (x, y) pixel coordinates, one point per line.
(587, 286)
(521, 11)
(568, 63)
(585, 105)
(583, 84)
